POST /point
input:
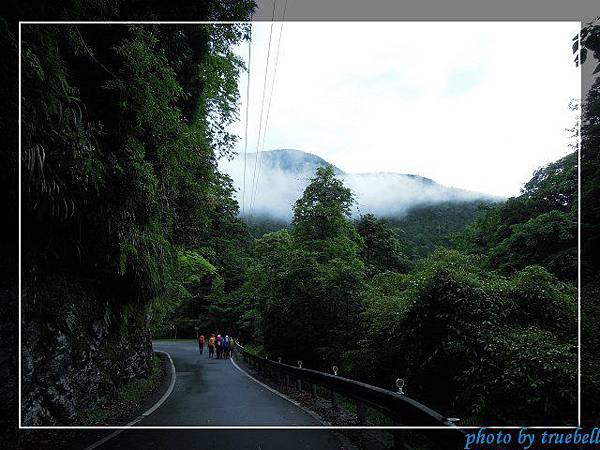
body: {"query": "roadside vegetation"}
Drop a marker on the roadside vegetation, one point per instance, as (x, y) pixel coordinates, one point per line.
(128, 398)
(466, 333)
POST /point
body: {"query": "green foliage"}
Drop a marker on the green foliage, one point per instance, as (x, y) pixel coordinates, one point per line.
(537, 309)
(191, 281)
(121, 159)
(312, 274)
(553, 187)
(540, 300)
(266, 224)
(122, 129)
(380, 250)
(424, 228)
(522, 375)
(537, 227)
(450, 327)
(321, 296)
(547, 239)
(323, 210)
(590, 228)
(481, 234)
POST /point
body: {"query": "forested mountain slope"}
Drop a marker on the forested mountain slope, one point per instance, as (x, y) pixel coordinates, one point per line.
(423, 213)
(282, 176)
(537, 227)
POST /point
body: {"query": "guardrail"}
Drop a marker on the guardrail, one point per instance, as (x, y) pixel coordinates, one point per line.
(402, 410)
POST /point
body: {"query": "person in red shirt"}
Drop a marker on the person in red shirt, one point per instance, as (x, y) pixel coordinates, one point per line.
(201, 343)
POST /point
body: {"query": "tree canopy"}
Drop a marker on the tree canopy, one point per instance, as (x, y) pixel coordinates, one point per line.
(537, 227)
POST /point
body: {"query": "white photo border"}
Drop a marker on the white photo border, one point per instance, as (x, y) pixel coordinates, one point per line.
(301, 427)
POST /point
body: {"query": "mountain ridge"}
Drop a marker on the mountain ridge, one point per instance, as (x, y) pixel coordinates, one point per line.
(316, 158)
(284, 173)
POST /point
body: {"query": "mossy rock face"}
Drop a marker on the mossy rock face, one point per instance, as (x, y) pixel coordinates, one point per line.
(76, 358)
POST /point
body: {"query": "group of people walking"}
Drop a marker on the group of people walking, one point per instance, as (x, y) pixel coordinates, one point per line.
(222, 346)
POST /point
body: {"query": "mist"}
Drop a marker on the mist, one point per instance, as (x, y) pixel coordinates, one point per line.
(284, 174)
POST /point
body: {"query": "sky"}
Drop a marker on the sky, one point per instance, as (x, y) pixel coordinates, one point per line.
(473, 105)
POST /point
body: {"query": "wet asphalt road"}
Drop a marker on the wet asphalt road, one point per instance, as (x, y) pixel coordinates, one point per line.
(211, 392)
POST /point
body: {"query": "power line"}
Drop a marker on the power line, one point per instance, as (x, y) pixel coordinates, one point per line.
(262, 106)
(247, 120)
(259, 152)
(253, 196)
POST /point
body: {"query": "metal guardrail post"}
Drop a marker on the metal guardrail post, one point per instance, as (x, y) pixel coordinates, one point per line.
(313, 390)
(400, 383)
(299, 380)
(334, 404)
(279, 376)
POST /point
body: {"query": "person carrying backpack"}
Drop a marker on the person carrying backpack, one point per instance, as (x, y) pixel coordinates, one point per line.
(201, 343)
(211, 346)
(226, 347)
(231, 346)
(219, 344)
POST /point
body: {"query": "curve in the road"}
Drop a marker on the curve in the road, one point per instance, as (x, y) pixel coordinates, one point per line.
(213, 393)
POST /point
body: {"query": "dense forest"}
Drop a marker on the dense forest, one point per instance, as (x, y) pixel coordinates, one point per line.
(131, 232)
(424, 228)
(471, 331)
(420, 230)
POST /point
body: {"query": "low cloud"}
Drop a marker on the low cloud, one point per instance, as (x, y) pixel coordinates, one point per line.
(382, 194)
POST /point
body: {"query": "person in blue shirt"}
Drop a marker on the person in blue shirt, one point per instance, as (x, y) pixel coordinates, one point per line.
(226, 347)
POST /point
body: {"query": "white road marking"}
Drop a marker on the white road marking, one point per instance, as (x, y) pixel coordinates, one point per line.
(154, 407)
(276, 392)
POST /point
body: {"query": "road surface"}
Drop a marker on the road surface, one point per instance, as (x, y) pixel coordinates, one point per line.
(211, 392)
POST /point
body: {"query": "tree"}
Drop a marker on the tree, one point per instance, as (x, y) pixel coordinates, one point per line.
(312, 274)
(537, 227)
(548, 240)
(381, 249)
(461, 335)
(323, 210)
(553, 187)
(189, 284)
(590, 225)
